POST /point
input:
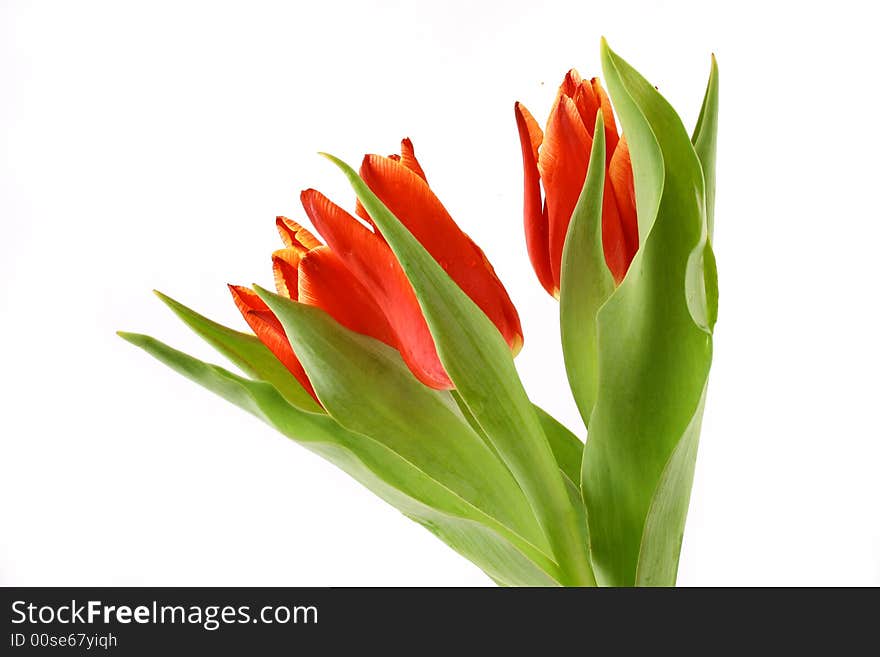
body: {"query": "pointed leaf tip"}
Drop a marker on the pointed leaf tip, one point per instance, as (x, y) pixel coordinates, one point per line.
(586, 281)
(335, 160)
(168, 301)
(635, 504)
(136, 339)
(261, 291)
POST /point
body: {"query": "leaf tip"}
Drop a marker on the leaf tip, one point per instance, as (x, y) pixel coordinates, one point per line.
(175, 306)
(134, 338)
(271, 299)
(261, 291)
(605, 51)
(713, 69)
(164, 298)
(606, 55)
(339, 163)
(600, 124)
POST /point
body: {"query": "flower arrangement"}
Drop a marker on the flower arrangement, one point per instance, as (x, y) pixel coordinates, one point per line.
(388, 345)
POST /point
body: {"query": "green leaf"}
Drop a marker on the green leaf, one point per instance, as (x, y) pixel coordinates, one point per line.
(655, 349)
(367, 388)
(472, 421)
(504, 556)
(478, 361)
(567, 447)
(586, 282)
(247, 353)
(664, 526)
(705, 140)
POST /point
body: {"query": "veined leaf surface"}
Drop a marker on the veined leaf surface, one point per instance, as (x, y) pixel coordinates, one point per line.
(367, 388)
(480, 364)
(586, 282)
(502, 554)
(655, 349)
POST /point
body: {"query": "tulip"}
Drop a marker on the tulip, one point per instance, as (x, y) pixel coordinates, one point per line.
(486, 470)
(307, 271)
(557, 160)
(357, 279)
(400, 183)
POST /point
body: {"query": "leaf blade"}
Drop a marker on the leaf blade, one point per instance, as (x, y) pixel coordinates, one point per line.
(478, 361)
(664, 524)
(493, 548)
(705, 141)
(654, 344)
(567, 447)
(367, 388)
(246, 352)
(586, 282)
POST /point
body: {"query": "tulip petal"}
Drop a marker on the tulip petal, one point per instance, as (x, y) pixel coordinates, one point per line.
(611, 135)
(270, 332)
(409, 198)
(614, 242)
(620, 174)
(373, 263)
(295, 236)
(562, 163)
(285, 265)
(534, 217)
(325, 282)
(570, 83)
(587, 105)
(408, 159)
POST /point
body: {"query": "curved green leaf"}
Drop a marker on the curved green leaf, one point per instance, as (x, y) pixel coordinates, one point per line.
(655, 350)
(567, 447)
(705, 140)
(505, 557)
(246, 352)
(478, 361)
(586, 282)
(664, 526)
(367, 388)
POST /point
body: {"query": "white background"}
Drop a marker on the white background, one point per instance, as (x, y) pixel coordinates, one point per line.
(150, 145)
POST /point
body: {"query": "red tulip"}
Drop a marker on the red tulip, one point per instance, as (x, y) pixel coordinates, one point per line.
(357, 279)
(307, 271)
(557, 161)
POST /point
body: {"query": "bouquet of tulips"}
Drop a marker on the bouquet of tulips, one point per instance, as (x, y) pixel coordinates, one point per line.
(388, 348)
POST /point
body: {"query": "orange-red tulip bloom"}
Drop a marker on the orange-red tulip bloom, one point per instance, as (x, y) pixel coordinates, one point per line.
(357, 279)
(557, 160)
